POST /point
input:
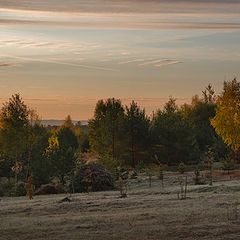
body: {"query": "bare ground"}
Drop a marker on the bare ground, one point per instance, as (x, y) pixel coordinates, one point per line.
(147, 213)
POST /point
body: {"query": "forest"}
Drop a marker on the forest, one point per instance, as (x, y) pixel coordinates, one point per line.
(85, 157)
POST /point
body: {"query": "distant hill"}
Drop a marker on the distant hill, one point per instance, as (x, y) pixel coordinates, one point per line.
(55, 122)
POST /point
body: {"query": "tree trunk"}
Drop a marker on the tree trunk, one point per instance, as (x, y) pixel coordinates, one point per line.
(133, 153)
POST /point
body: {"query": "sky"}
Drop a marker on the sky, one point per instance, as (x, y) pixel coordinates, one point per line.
(62, 56)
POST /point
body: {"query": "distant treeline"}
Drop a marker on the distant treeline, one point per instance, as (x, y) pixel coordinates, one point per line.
(120, 135)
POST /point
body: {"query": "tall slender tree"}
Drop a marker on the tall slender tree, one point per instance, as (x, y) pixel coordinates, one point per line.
(105, 129)
(14, 126)
(137, 132)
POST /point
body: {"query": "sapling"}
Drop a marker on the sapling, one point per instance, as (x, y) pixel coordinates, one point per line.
(161, 177)
(123, 183)
(17, 168)
(197, 175)
(182, 195)
(150, 179)
(210, 159)
(149, 173)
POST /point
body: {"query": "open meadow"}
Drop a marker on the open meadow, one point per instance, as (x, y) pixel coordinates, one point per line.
(208, 212)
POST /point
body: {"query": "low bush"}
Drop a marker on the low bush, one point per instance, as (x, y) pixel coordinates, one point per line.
(92, 177)
(8, 189)
(20, 190)
(50, 189)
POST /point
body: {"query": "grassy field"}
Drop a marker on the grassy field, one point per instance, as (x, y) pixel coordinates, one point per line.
(209, 212)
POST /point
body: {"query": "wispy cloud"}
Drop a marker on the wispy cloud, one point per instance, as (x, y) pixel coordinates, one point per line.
(151, 62)
(35, 43)
(160, 62)
(159, 15)
(122, 6)
(124, 24)
(62, 63)
(166, 63)
(7, 64)
(131, 61)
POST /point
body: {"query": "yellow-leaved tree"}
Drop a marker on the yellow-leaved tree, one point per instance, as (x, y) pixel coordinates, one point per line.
(227, 119)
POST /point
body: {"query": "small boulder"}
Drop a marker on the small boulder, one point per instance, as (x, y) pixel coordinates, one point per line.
(66, 199)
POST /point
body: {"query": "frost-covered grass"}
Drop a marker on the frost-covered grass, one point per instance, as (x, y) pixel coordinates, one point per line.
(209, 212)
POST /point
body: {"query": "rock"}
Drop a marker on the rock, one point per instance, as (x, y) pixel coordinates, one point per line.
(66, 199)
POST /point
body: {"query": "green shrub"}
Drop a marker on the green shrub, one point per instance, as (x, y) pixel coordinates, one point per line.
(140, 166)
(197, 175)
(228, 164)
(6, 189)
(181, 168)
(109, 163)
(20, 190)
(1, 192)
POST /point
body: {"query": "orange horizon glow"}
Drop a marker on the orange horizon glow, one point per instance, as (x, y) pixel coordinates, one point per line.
(83, 108)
